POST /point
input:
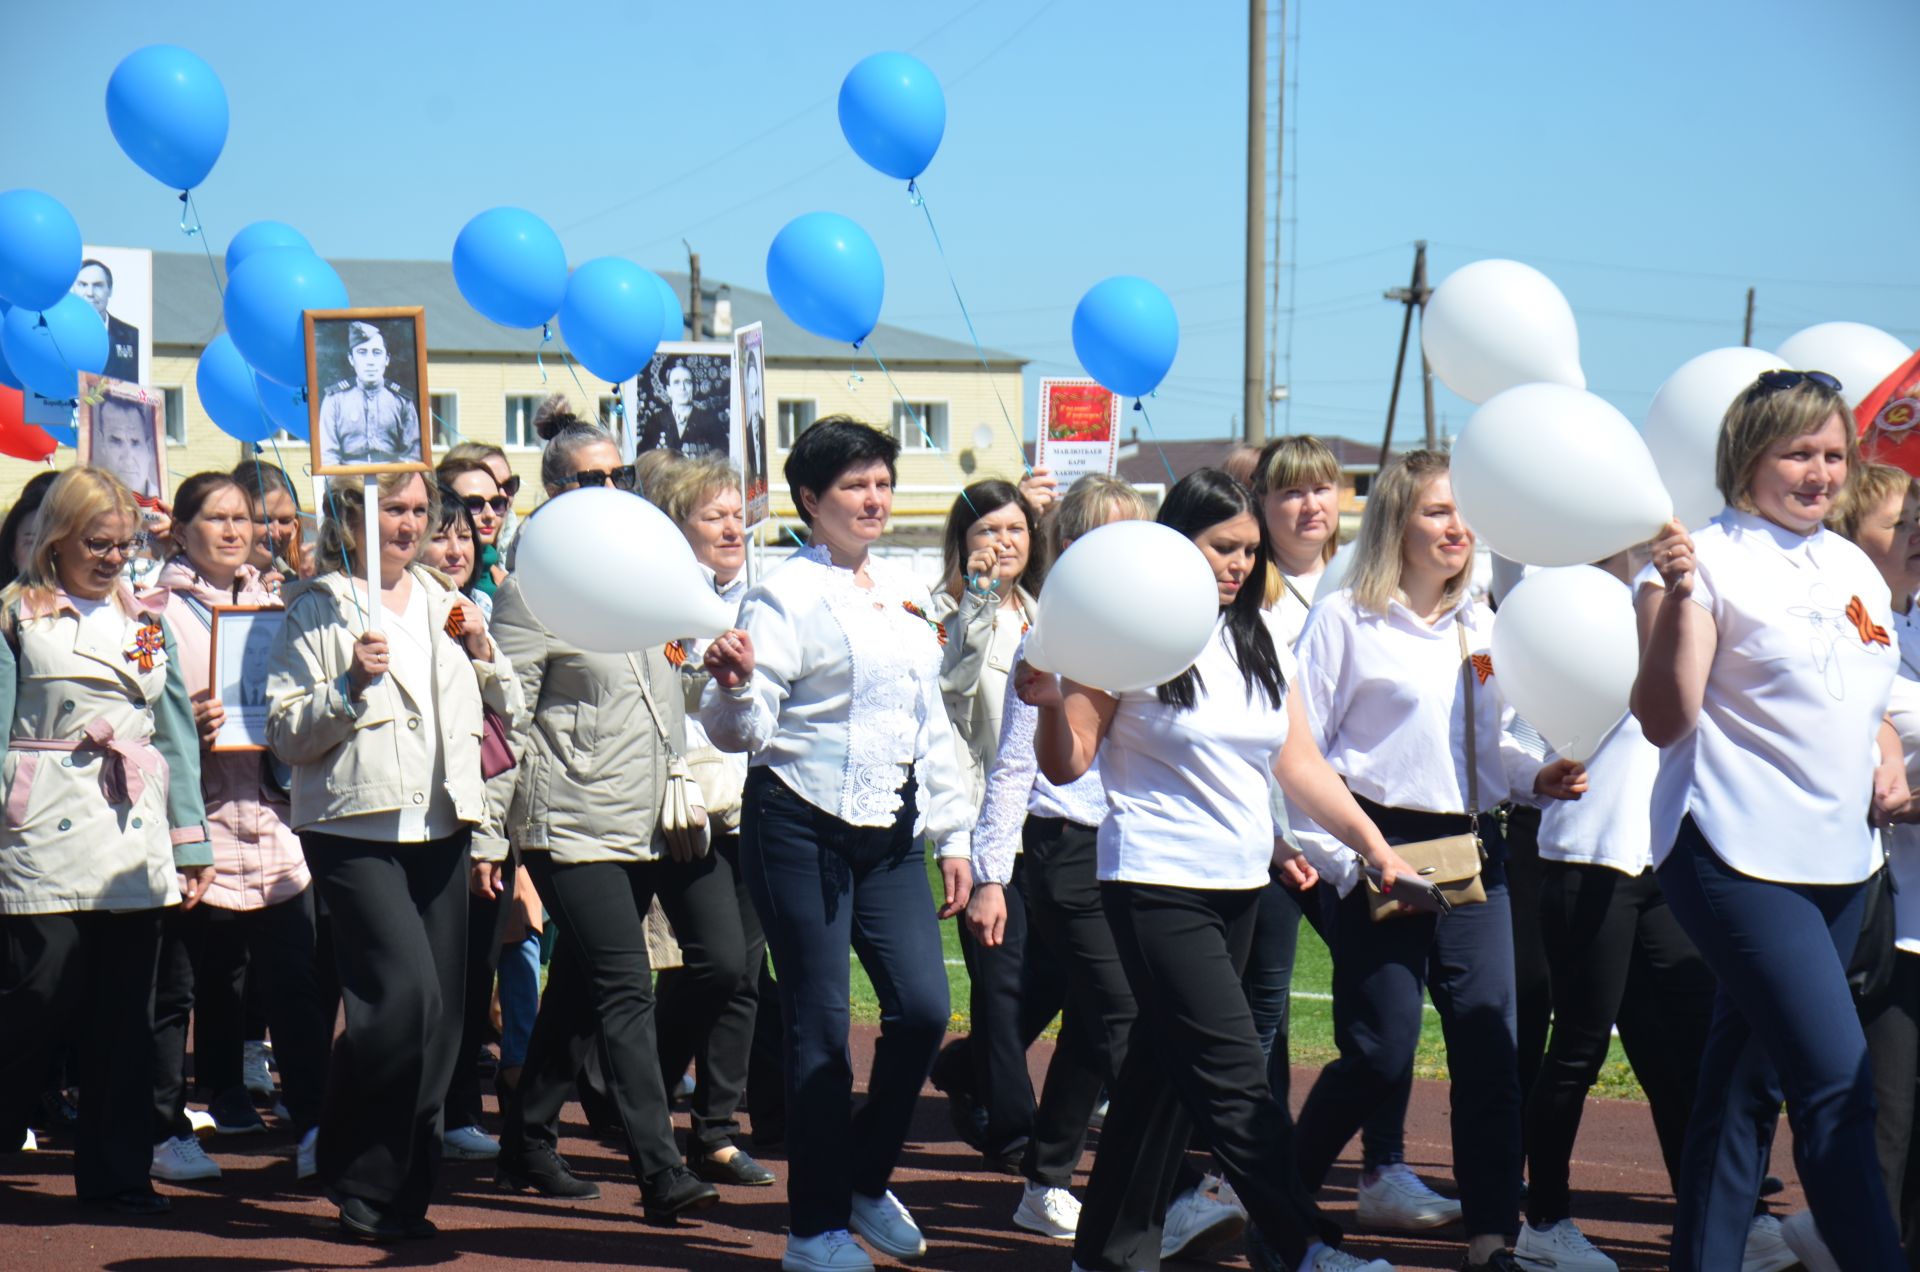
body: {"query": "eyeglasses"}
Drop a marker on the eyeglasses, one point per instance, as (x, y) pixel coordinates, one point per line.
(511, 486)
(620, 478)
(101, 549)
(1780, 381)
(477, 504)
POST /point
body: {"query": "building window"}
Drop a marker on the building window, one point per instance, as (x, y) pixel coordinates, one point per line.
(446, 419)
(796, 417)
(174, 403)
(609, 404)
(929, 432)
(520, 409)
(1362, 485)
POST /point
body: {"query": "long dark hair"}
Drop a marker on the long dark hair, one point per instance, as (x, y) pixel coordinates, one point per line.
(975, 502)
(32, 495)
(1198, 501)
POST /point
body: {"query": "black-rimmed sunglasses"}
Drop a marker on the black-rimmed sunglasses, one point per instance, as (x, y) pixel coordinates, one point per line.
(477, 504)
(621, 478)
(511, 486)
(1781, 381)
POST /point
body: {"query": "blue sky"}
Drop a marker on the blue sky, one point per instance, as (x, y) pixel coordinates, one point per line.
(1654, 159)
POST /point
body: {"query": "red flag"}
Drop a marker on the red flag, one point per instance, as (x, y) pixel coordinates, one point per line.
(1889, 419)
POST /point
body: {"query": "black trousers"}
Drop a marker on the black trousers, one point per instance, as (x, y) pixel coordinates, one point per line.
(1196, 1063)
(1893, 1048)
(87, 976)
(399, 914)
(723, 950)
(464, 1102)
(766, 1058)
(205, 953)
(1532, 979)
(1617, 955)
(824, 887)
(1008, 1008)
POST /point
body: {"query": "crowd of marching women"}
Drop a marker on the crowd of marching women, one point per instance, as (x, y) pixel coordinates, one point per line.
(453, 796)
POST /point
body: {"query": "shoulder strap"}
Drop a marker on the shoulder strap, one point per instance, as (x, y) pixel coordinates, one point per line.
(1473, 752)
(1288, 584)
(646, 692)
(199, 608)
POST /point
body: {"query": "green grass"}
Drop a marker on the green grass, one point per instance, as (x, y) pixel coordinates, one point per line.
(1310, 1033)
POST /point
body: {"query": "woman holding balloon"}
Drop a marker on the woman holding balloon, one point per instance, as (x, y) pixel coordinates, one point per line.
(1402, 696)
(1183, 853)
(1766, 666)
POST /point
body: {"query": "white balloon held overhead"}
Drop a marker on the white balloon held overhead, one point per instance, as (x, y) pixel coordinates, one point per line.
(1551, 475)
(606, 571)
(1566, 650)
(1128, 606)
(1682, 430)
(1496, 324)
(1853, 353)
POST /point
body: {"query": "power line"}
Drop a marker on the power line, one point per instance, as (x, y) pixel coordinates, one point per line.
(1615, 266)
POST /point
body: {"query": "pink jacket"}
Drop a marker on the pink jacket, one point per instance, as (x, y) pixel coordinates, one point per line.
(257, 859)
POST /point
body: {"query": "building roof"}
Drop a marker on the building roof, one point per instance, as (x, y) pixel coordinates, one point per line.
(1141, 463)
(186, 312)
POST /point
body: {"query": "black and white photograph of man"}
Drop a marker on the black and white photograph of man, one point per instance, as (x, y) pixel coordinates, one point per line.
(243, 639)
(684, 403)
(370, 415)
(750, 357)
(94, 284)
(120, 432)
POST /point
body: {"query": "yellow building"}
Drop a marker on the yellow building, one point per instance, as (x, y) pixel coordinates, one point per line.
(485, 381)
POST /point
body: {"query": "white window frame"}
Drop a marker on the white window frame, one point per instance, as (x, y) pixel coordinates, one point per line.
(786, 444)
(907, 433)
(506, 434)
(173, 410)
(454, 422)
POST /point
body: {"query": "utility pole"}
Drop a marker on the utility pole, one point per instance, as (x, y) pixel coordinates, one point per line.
(1275, 394)
(1414, 297)
(693, 291)
(1253, 412)
(1746, 336)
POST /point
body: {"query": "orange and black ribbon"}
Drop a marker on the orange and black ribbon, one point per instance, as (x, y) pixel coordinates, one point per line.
(146, 647)
(1871, 633)
(1482, 666)
(676, 652)
(939, 632)
(456, 622)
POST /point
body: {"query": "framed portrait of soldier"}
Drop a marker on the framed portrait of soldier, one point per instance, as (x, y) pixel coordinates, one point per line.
(683, 400)
(750, 440)
(367, 394)
(241, 650)
(122, 428)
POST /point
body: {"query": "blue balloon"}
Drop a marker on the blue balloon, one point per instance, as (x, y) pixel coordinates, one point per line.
(826, 275)
(286, 407)
(1126, 333)
(39, 249)
(510, 266)
(169, 113)
(226, 386)
(611, 317)
(674, 326)
(893, 113)
(258, 237)
(265, 297)
(7, 378)
(46, 348)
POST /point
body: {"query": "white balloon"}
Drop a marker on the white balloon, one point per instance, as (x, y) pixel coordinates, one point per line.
(1683, 425)
(1566, 651)
(606, 571)
(1550, 475)
(1495, 324)
(1128, 606)
(1853, 353)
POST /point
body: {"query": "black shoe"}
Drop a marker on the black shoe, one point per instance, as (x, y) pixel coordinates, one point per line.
(1498, 1261)
(233, 1114)
(1007, 1160)
(141, 1203)
(1771, 1186)
(364, 1221)
(422, 1229)
(57, 1112)
(739, 1169)
(675, 1192)
(952, 1072)
(543, 1171)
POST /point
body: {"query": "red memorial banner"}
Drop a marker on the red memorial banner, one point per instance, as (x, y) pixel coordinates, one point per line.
(1888, 417)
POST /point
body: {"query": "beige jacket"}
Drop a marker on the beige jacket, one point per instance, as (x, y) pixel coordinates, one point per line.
(980, 639)
(373, 759)
(592, 770)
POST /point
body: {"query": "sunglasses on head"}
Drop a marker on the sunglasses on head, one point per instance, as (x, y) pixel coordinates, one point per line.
(621, 478)
(1780, 381)
(477, 504)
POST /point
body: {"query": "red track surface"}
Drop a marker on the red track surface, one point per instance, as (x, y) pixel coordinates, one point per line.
(256, 1219)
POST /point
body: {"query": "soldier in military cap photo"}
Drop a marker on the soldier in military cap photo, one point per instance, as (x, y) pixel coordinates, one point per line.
(370, 417)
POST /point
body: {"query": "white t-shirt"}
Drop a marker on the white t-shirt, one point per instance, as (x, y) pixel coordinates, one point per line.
(1288, 615)
(1187, 790)
(1778, 771)
(1902, 842)
(1608, 826)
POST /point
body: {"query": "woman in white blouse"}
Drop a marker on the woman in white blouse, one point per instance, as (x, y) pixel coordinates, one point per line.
(1404, 700)
(831, 681)
(1183, 853)
(1766, 664)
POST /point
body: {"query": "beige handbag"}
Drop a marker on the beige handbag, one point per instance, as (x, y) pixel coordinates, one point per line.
(1451, 863)
(683, 810)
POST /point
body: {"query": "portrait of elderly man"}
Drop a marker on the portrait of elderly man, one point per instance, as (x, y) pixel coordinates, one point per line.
(94, 284)
(122, 442)
(368, 419)
(681, 424)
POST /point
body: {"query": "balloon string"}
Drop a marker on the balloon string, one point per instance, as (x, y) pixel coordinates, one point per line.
(919, 200)
(1154, 433)
(546, 338)
(333, 506)
(567, 360)
(99, 390)
(186, 210)
(914, 415)
(187, 203)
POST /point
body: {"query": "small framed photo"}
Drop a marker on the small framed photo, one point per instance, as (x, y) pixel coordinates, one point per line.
(367, 381)
(750, 446)
(243, 637)
(122, 428)
(683, 400)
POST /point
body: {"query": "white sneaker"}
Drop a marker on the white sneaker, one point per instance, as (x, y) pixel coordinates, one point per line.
(201, 1123)
(887, 1226)
(180, 1159)
(306, 1158)
(470, 1144)
(1561, 1248)
(1197, 1222)
(834, 1251)
(31, 1144)
(1328, 1259)
(254, 1074)
(1766, 1248)
(1393, 1198)
(1051, 1212)
(1802, 1236)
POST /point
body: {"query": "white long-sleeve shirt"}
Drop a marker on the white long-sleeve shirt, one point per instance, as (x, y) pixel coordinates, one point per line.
(845, 697)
